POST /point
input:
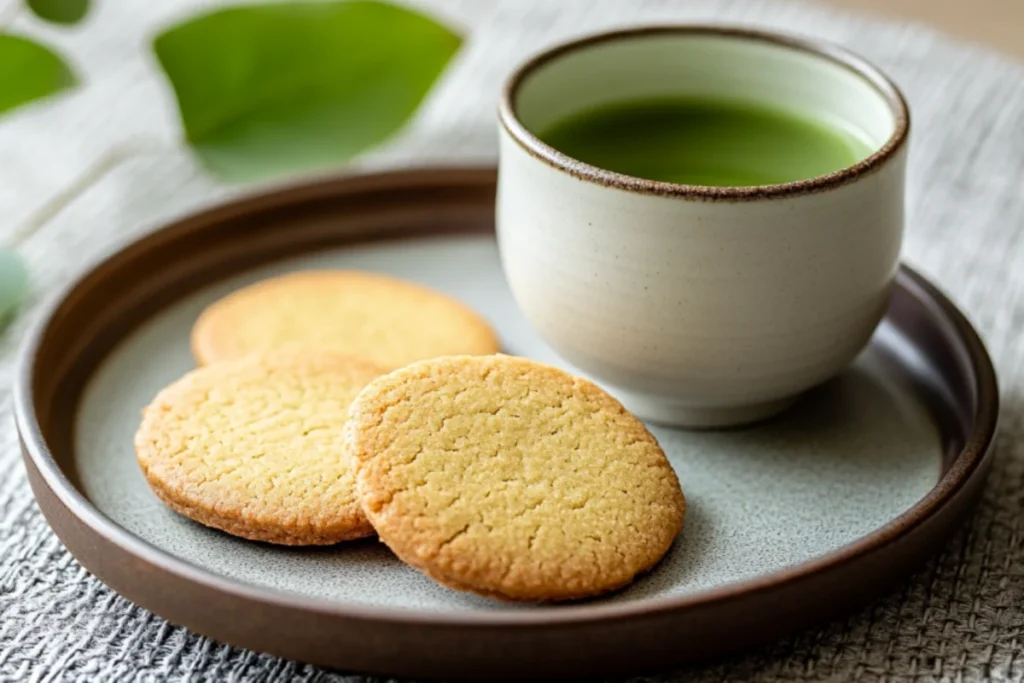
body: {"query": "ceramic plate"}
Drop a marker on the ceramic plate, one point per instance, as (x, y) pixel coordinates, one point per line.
(789, 522)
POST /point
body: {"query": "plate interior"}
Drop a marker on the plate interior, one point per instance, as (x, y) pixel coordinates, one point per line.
(851, 456)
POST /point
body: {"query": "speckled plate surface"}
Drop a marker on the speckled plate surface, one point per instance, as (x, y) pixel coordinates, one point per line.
(789, 522)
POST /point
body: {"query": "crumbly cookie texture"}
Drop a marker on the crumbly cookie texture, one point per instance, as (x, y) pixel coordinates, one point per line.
(254, 447)
(385, 320)
(511, 479)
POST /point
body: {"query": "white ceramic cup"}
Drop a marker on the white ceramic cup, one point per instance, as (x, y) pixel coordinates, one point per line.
(701, 306)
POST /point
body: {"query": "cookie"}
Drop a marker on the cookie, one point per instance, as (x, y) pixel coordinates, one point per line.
(387, 321)
(511, 479)
(254, 447)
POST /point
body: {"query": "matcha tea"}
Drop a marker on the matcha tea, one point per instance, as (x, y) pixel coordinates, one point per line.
(705, 142)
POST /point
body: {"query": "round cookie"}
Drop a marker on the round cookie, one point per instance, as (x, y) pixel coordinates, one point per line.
(511, 479)
(388, 321)
(254, 447)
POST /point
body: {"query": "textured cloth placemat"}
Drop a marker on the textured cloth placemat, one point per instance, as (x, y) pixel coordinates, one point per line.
(84, 173)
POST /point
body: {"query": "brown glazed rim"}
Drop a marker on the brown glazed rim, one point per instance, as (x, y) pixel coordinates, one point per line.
(821, 49)
(961, 465)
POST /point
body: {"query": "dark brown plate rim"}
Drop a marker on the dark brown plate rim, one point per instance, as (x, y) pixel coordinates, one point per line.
(533, 145)
(973, 453)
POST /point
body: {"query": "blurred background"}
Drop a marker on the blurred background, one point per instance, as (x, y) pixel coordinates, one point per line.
(997, 23)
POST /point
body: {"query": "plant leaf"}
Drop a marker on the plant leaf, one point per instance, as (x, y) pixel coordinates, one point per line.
(29, 71)
(13, 285)
(60, 11)
(272, 88)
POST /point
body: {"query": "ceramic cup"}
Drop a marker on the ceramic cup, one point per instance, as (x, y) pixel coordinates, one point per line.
(701, 306)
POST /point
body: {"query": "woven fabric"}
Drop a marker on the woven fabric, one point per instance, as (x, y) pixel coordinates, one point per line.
(84, 173)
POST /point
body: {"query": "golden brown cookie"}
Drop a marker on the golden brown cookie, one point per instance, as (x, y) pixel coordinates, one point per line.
(511, 479)
(254, 447)
(382, 319)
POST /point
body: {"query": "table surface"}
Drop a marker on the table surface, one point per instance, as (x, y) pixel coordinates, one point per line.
(996, 23)
(86, 172)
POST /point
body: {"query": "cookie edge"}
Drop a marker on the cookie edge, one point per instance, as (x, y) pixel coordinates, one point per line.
(350, 527)
(201, 345)
(355, 451)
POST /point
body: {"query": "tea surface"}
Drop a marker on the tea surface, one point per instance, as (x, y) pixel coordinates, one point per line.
(705, 142)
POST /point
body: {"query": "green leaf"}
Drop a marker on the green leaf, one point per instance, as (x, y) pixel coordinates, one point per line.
(60, 11)
(13, 285)
(268, 89)
(29, 71)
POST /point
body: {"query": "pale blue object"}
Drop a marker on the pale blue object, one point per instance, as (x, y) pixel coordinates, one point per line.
(13, 284)
(839, 465)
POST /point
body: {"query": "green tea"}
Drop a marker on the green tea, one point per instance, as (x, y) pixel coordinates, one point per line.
(705, 142)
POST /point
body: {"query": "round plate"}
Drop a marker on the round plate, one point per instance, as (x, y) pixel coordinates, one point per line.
(790, 522)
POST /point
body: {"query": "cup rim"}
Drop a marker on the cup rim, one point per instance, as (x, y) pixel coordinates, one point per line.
(821, 49)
